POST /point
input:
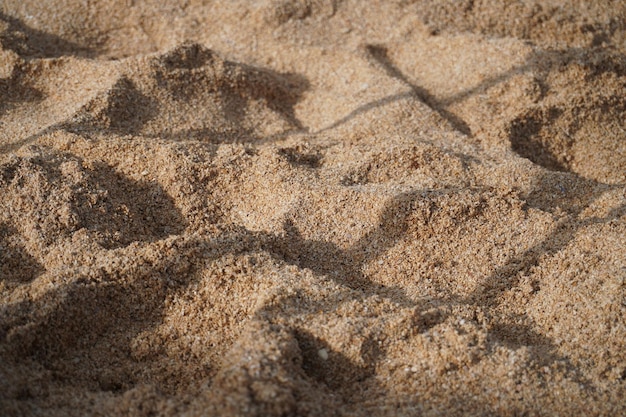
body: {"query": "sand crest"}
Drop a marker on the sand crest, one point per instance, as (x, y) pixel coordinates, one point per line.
(312, 207)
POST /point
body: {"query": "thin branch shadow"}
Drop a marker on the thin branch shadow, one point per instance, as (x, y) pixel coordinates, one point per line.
(379, 55)
(541, 62)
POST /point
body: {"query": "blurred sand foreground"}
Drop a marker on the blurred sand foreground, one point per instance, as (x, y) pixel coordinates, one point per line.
(312, 208)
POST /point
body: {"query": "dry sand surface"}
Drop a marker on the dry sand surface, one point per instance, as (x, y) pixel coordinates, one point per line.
(312, 208)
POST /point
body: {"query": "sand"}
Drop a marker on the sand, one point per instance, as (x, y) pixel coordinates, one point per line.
(312, 208)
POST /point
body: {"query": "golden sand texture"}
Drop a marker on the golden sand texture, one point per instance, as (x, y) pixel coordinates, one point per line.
(312, 208)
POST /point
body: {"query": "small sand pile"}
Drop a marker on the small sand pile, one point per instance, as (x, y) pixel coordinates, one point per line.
(312, 207)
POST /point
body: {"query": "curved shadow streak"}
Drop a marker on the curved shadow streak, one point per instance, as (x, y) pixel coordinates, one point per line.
(75, 329)
(487, 294)
(14, 146)
(344, 267)
(566, 230)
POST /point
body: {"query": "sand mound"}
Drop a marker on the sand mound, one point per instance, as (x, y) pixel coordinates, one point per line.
(191, 86)
(312, 208)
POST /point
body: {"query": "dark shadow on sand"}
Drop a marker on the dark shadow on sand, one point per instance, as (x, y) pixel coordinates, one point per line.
(29, 42)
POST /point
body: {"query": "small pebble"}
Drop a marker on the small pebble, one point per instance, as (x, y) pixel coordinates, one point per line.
(323, 353)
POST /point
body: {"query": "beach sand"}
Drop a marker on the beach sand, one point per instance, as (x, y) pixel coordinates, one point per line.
(312, 208)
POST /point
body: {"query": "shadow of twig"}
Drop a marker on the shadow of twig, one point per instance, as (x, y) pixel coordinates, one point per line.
(540, 62)
(379, 55)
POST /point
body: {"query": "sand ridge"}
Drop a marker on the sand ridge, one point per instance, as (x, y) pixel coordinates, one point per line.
(310, 207)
